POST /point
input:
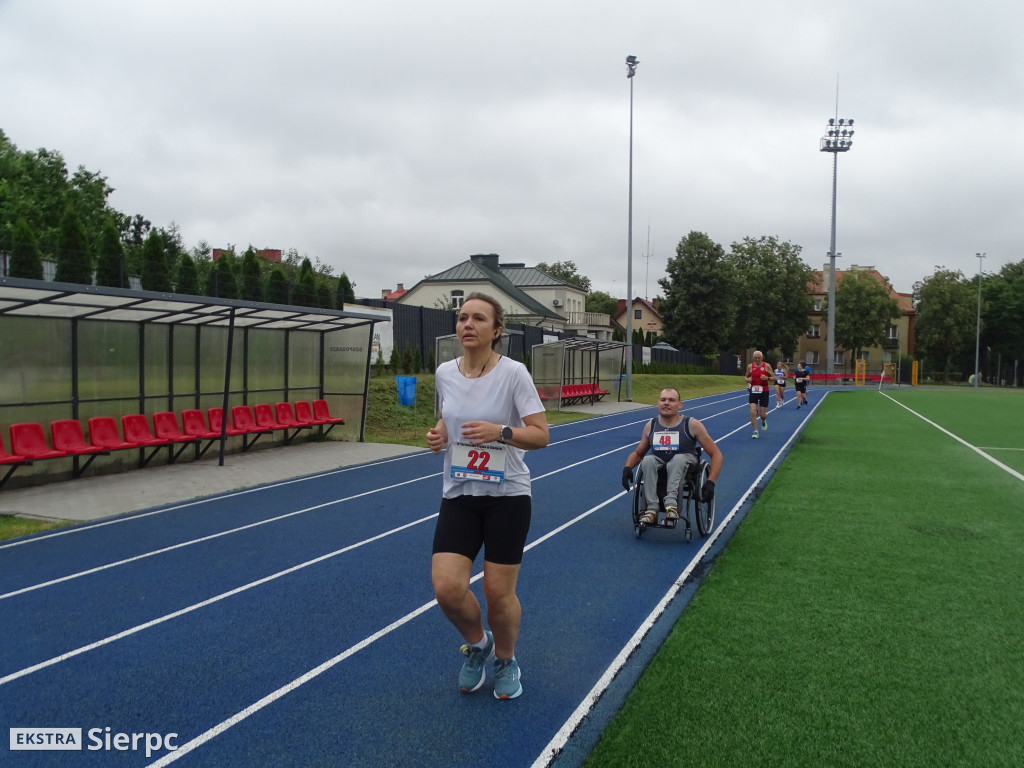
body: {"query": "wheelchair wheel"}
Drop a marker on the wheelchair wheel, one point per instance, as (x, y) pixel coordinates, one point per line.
(705, 509)
(638, 500)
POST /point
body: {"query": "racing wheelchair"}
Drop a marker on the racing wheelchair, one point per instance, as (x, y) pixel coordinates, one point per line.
(691, 506)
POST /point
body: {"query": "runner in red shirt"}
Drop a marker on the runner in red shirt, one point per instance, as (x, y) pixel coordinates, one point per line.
(759, 379)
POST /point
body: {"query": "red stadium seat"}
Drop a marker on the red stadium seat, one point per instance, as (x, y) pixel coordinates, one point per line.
(323, 413)
(103, 433)
(67, 436)
(283, 412)
(136, 430)
(28, 440)
(12, 460)
(265, 417)
(193, 423)
(216, 416)
(165, 426)
(9, 458)
(304, 413)
(243, 419)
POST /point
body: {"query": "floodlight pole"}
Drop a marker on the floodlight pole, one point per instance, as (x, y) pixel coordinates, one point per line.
(838, 138)
(977, 334)
(631, 62)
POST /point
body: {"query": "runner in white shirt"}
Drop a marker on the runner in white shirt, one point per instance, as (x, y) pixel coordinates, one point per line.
(490, 415)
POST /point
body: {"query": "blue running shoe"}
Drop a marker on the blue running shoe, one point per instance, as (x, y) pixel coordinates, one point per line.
(474, 669)
(506, 679)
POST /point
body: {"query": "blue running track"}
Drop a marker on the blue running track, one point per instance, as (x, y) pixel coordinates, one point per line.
(293, 624)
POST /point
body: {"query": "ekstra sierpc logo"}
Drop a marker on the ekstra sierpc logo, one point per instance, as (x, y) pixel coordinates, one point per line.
(46, 738)
(95, 739)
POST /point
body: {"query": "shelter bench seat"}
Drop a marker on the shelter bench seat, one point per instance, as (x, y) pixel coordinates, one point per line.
(578, 393)
(67, 439)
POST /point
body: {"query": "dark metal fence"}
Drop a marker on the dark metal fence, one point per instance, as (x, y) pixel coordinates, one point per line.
(418, 327)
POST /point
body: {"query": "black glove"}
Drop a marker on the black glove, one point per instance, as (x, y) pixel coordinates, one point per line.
(627, 478)
(707, 493)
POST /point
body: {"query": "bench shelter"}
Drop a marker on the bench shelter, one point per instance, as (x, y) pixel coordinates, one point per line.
(577, 370)
(104, 356)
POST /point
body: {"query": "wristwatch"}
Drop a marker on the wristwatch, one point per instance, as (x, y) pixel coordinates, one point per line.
(506, 433)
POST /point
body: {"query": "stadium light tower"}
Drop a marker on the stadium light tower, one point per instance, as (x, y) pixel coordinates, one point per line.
(631, 62)
(838, 138)
(977, 333)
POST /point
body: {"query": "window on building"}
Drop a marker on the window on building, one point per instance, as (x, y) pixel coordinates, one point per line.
(887, 357)
(814, 331)
(817, 305)
(894, 332)
(838, 358)
(458, 297)
(811, 357)
(637, 314)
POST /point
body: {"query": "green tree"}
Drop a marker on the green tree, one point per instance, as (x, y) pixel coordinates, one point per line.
(699, 308)
(346, 291)
(1003, 312)
(602, 303)
(188, 276)
(222, 281)
(772, 300)
(135, 230)
(277, 286)
(74, 259)
(565, 271)
(251, 288)
(304, 289)
(946, 310)
(110, 265)
(325, 294)
(865, 309)
(35, 186)
(26, 260)
(156, 276)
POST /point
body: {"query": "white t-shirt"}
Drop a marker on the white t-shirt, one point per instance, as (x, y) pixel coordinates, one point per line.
(503, 395)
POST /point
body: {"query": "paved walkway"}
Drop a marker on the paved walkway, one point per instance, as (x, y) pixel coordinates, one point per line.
(98, 496)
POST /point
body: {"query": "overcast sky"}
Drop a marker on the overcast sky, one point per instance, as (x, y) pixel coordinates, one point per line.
(392, 139)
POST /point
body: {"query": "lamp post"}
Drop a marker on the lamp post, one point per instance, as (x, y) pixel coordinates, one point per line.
(977, 334)
(838, 138)
(631, 62)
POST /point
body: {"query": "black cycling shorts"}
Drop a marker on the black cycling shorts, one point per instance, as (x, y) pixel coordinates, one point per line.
(499, 524)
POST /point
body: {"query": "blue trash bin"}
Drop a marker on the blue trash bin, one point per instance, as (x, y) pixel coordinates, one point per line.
(406, 390)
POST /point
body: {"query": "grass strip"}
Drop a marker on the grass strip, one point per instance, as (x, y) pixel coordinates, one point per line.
(866, 613)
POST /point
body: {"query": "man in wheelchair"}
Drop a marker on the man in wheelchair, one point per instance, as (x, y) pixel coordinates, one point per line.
(671, 442)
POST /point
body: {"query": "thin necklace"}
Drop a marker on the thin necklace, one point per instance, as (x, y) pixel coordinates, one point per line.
(470, 375)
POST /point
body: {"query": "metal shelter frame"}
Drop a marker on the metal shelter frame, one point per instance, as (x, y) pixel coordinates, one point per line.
(581, 363)
(74, 303)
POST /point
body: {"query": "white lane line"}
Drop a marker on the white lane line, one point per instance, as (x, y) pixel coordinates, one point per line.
(558, 742)
(252, 709)
(196, 606)
(265, 579)
(960, 440)
(197, 502)
(212, 536)
(254, 524)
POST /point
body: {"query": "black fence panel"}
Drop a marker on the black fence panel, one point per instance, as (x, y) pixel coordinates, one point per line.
(418, 327)
(523, 339)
